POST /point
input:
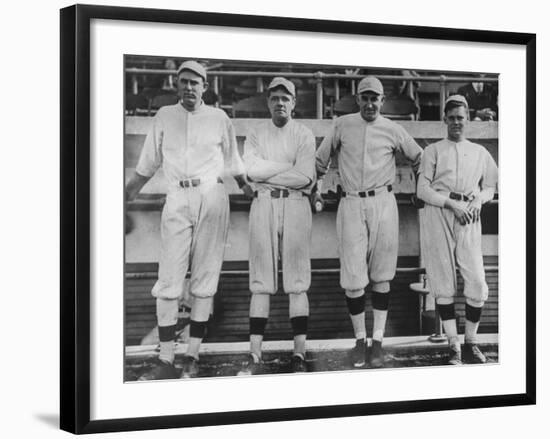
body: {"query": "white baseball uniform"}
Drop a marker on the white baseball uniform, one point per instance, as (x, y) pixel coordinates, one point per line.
(367, 226)
(467, 169)
(280, 227)
(194, 149)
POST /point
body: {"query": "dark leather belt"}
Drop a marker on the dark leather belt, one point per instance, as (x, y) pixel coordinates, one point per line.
(371, 193)
(278, 193)
(459, 197)
(194, 182)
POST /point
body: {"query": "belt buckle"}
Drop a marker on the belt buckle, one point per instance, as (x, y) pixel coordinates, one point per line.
(185, 183)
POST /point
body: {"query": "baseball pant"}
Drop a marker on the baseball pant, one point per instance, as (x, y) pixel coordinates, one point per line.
(280, 227)
(194, 227)
(368, 234)
(447, 244)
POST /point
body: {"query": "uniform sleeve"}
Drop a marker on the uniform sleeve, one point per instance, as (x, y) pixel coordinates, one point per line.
(256, 167)
(325, 151)
(232, 160)
(489, 179)
(302, 174)
(305, 157)
(426, 173)
(490, 172)
(409, 148)
(150, 158)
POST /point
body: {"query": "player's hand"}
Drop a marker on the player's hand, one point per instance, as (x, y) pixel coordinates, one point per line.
(462, 214)
(474, 207)
(317, 202)
(417, 202)
(248, 191)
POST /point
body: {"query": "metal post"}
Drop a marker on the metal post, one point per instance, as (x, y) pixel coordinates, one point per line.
(442, 96)
(216, 86)
(259, 85)
(319, 95)
(336, 89)
(135, 87)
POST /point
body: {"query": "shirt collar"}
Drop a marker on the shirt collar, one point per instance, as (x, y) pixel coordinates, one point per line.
(199, 109)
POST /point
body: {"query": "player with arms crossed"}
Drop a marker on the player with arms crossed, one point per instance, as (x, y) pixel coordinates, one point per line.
(456, 178)
(194, 144)
(367, 219)
(280, 161)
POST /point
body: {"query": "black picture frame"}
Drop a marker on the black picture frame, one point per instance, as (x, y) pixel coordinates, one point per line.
(75, 217)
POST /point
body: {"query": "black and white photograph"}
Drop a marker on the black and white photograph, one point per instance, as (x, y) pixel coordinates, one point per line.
(270, 219)
(306, 218)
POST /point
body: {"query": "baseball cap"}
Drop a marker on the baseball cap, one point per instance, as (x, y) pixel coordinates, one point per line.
(194, 67)
(457, 98)
(370, 83)
(282, 82)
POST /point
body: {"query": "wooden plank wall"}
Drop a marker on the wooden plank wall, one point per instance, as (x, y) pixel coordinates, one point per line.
(328, 312)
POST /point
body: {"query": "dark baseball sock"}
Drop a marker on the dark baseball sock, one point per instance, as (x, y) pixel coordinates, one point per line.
(257, 325)
(380, 303)
(356, 305)
(299, 325)
(380, 300)
(197, 329)
(167, 334)
(473, 314)
(447, 311)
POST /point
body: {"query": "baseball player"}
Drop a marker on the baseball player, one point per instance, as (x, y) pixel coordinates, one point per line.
(367, 219)
(194, 144)
(279, 157)
(456, 177)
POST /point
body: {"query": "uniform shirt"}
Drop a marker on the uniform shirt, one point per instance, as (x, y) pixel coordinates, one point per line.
(293, 143)
(366, 151)
(190, 144)
(464, 167)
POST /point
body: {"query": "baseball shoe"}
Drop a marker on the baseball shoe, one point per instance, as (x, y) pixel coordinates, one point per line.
(359, 353)
(473, 355)
(455, 356)
(298, 364)
(162, 371)
(376, 355)
(252, 366)
(190, 367)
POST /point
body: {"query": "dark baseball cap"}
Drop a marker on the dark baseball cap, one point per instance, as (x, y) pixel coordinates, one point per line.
(193, 66)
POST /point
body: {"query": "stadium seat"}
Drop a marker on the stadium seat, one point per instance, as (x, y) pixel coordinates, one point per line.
(400, 108)
(306, 104)
(253, 106)
(136, 104)
(162, 100)
(345, 105)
